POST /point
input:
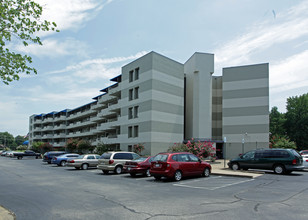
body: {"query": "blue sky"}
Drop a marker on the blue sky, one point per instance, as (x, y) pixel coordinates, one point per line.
(98, 37)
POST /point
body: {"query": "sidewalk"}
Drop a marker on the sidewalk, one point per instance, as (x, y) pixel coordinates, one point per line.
(220, 167)
(6, 214)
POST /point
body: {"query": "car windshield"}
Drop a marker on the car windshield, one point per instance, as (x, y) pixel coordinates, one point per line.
(105, 156)
(161, 157)
(80, 157)
(140, 159)
(295, 153)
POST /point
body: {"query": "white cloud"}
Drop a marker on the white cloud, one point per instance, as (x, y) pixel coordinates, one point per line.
(54, 48)
(70, 14)
(290, 73)
(288, 26)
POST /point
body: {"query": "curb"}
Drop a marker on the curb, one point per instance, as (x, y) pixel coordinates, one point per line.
(6, 214)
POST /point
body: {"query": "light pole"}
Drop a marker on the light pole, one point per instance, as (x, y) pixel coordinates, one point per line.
(225, 150)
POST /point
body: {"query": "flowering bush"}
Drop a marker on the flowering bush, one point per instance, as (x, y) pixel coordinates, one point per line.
(71, 145)
(200, 149)
(138, 148)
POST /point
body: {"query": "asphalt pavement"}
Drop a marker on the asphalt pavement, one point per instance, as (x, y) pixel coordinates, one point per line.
(219, 167)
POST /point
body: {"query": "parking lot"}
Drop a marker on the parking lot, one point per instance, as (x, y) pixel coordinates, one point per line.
(32, 189)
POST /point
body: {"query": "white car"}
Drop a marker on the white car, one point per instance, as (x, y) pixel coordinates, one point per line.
(305, 160)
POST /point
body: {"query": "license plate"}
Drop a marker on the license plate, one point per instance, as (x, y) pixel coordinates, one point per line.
(157, 165)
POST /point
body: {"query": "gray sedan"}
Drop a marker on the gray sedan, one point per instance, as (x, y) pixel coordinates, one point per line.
(84, 161)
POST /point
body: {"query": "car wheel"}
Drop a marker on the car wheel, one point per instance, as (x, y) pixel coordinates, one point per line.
(178, 175)
(147, 173)
(63, 163)
(105, 171)
(279, 169)
(19, 158)
(49, 162)
(235, 166)
(157, 177)
(206, 172)
(84, 166)
(118, 170)
(133, 174)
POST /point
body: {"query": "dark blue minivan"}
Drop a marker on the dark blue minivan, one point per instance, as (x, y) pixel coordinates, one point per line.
(49, 155)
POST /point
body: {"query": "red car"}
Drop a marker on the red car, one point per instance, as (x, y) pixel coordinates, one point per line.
(140, 165)
(177, 165)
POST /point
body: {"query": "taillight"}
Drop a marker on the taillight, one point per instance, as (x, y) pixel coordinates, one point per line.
(55, 158)
(294, 161)
(72, 161)
(306, 160)
(111, 161)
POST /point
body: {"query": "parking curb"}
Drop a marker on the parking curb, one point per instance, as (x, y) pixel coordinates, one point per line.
(6, 214)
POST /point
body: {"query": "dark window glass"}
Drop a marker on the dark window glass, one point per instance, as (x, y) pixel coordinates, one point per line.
(123, 156)
(91, 157)
(175, 157)
(105, 156)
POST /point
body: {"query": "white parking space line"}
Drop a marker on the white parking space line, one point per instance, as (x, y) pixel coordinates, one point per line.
(218, 185)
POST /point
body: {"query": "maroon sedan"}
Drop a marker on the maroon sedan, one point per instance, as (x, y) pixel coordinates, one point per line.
(140, 165)
(178, 165)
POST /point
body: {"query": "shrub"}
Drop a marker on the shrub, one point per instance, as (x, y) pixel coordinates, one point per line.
(71, 145)
(101, 148)
(200, 149)
(138, 148)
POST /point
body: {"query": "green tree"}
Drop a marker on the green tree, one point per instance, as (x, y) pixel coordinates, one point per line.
(71, 145)
(83, 146)
(7, 140)
(297, 120)
(101, 148)
(277, 121)
(20, 19)
(37, 146)
(19, 140)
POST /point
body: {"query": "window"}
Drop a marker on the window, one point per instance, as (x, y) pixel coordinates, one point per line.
(131, 74)
(136, 131)
(136, 73)
(130, 148)
(193, 158)
(175, 157)
(136, 109)
(130, 94)
(130, 113)
(130, 132)
(136, 93)
(91, 157)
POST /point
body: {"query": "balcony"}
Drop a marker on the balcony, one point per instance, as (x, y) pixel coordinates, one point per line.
(61, 135)
(37, 121)
(58, 144)
(81, 114)
(47, 120)
(59, 127)
(47, 128)
(47, 136)
(60, 118)
(37, 137)
(37, 129)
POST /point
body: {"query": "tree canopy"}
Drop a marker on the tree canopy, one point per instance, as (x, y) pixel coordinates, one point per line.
(19, 19)
(291, 126)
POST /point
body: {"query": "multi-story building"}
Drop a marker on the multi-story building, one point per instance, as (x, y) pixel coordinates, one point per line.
(157, 101)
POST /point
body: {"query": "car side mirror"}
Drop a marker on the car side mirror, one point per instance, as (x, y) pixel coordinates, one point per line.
(199, 160)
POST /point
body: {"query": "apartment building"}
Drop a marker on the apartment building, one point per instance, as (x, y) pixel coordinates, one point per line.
(157, 101)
